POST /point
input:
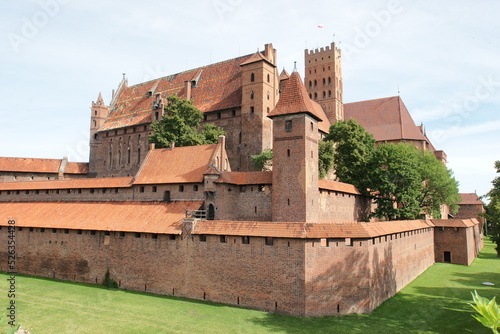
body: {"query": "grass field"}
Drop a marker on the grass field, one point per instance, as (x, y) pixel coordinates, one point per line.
(435, 302)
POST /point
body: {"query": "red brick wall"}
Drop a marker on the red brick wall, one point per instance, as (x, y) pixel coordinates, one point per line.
(250, 202)
(355, 276)
(453, 239)
(342, 207)
(291, 276)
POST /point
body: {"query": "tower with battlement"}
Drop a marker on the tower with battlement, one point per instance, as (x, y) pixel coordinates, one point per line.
(323, 80)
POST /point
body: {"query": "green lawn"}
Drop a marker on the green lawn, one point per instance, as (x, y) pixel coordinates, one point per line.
(436, 302)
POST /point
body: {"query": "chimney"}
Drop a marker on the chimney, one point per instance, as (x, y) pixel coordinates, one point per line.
(188, 85)
(172, 146)
(222, 150)
(151, 146)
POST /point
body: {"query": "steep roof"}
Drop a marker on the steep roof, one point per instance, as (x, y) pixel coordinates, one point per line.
(243, 178)
(338, 186)
(308, 230)
(470, 198)
(217, 86)
(147, 217)
(83, 183)
(294, 99)
(387, 119)
(180, 165)
(76, 168)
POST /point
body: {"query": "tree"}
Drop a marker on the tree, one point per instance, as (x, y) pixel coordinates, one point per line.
(438, 186)
(326, 157)
(396, 180)
(493, 210)
(354, 148)
(263, 160)
(181, 125)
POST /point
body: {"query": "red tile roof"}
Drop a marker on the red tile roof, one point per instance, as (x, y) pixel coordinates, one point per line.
(295, 99)
(83, 183)
(147, 217)
(218, 87)
(338, 186)
(387, 119)
(35, 165)
(455, 222)
(76, 168)
(308, 230)
(243, 178)
(180, 165)
(470, 198)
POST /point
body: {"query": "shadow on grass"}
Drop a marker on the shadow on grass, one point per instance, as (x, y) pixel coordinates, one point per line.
(102, 287)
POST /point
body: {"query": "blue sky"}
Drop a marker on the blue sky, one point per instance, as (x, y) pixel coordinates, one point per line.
(57, 55)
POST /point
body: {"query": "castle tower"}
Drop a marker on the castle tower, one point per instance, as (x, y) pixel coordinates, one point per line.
(295, 154)
(99, 111)
(323, 80)
(260, 93)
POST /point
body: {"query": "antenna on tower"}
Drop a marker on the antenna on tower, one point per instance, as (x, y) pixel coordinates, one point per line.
(398, 90)
(295, 66)
(124, 75)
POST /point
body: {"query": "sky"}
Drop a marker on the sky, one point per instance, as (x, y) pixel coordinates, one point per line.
(441, 57)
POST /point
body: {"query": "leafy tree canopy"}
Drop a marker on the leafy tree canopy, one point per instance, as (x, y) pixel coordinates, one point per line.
(354, 148)
(263, 160)
(181, 125)
(493, 210)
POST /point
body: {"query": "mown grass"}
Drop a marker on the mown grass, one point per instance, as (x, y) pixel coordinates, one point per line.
(435, 302)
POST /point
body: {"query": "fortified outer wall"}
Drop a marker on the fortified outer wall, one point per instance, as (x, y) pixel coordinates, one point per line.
(461, 244)
(341, 207)
(240, 203)
(346, 276)
(150, 192)
(292, 276)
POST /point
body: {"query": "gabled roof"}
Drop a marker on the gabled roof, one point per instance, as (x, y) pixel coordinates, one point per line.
(294, 99)
(284, 75)
(387, 119)
(244, 178)
(455, 222)
(83, 183)
(470, 198)
(217, 87)
(76, 168)
(338, 186)
(147, 217)
(36, 165)
(258, 56)
(181, 165)
(308, 230)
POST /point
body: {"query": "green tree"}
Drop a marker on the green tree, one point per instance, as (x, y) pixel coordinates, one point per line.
(438, 186)
(493, 210)
(181, 125)
(354, 148)
(263, 160)
(396, 181)
(326, 157)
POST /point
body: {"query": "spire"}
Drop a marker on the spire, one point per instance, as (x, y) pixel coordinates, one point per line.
(294, 99)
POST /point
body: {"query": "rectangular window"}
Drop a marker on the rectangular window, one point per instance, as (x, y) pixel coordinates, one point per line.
(92, 232)
(269, 241)
(19, 228)
(223, 239)
(107, 233)
(195, 187)
(323, 242)
(171, 236)
(154, 189)
(66, 231)
(54, 230)
(137, 234)
(245, 240)
(203, 238)
(122, 234)
(141, 189)
(79, 231)
(154, 236)
(288, 126)
(42, 230)
(31, 229)
(181, 188)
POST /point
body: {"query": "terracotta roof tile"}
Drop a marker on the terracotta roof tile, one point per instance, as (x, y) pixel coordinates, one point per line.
(470, 198)
(29, 165)
(76, 168)
(387, 119)
(338, 186)
(83, 183)
(147, 217)
(308, 230)
(180, 165)
(258, 56)
(217, 88)
(294, 99)
(242, 178)
(455, 222)
(284, 75)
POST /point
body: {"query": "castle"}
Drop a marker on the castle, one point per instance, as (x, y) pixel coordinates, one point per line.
(200, 222)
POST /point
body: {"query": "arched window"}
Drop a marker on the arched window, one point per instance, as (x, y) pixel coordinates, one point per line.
(252, 77)
(329, 93)
(324, 82)
(268, 95)
(329, 81)
(139, 155)
(310, 84)
(211, 212)
(251, 94)
(315, 83)
(315, 96)
(119, 158)
(239, 138)
(268, 78)
(128, 155)
(324, 94)
(94, 123)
